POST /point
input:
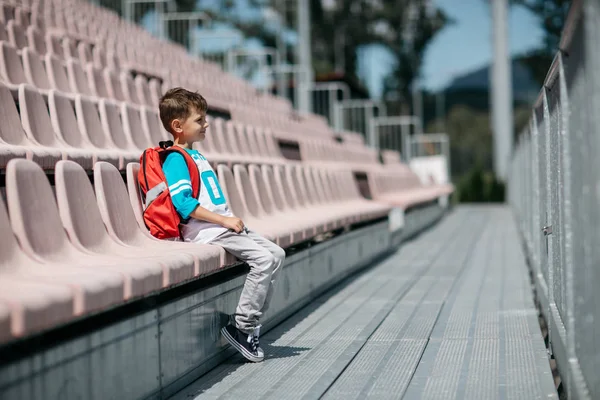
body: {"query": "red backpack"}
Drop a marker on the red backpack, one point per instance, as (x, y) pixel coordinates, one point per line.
(160, 215)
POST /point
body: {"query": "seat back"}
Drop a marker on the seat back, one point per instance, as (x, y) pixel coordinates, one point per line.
(35, 73)
(88, 121)
(77, 78)
(114, 205)
(132, 126)
(57, 74)
(135, 198)
(11, 130)
(151, 125)
(114, 85)
(234, 198)
(273, 190)
(54, 47)
(64, 121)
(247, 192)
(260, 189)
(35, 40)
(35, 118)
(16, 34)
(77, 206)
(143, 91)
(110, 118)
(96, 81)
(230, 138)
(33, 212)
(11, 68)
(9, 248)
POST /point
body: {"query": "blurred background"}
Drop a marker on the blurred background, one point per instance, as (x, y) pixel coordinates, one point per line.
(353, 61)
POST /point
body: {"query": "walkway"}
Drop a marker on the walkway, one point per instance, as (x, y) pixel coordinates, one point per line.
(449, 316)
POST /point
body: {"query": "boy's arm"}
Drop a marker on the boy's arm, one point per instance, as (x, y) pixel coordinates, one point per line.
(180, 187)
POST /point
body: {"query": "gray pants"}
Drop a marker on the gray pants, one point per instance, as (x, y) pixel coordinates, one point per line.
(265, 259)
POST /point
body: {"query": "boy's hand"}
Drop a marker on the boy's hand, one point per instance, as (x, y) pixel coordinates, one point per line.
(234, 223)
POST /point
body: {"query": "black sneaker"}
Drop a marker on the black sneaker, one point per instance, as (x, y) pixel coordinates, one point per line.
(247, 344)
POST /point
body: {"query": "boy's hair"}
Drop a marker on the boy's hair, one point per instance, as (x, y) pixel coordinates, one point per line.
(178, 103)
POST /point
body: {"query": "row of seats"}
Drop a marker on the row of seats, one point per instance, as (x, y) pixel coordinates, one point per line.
(71, 77)
(86, 248)
(402, 188)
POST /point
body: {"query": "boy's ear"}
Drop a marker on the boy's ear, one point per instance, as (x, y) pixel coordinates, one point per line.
(176, 126)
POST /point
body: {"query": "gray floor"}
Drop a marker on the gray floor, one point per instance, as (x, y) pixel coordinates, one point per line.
(449, 316)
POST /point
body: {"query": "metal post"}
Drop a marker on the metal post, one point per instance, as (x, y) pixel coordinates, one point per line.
(304, 55)
(502, 114)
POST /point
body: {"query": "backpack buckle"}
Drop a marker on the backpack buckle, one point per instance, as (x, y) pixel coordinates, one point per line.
(163, 144)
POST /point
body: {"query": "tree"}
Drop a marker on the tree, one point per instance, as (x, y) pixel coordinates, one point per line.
(553, 15)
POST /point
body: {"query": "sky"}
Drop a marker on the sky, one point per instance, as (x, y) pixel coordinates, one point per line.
(461, 47)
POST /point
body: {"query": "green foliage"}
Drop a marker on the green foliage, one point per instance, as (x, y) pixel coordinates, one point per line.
(479, 186)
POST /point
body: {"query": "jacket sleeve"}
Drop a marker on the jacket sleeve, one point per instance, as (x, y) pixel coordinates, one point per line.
(179, 183)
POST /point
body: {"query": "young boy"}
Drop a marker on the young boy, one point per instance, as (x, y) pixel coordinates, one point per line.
(207, 219)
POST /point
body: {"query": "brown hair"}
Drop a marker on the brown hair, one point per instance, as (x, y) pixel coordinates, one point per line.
(178, 103)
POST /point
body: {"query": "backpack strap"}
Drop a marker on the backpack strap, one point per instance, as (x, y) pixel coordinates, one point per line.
(192, 168)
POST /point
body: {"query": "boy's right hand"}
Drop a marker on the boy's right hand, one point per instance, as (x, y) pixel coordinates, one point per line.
(234, 223)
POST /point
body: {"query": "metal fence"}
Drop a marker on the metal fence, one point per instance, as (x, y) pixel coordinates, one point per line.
(554, 189)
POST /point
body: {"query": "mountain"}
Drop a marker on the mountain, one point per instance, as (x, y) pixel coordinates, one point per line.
(525, 87)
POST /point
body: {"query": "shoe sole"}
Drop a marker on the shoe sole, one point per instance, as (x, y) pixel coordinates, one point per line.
(249, 356)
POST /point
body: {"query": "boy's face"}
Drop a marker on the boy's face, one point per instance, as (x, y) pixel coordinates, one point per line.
(193, 128)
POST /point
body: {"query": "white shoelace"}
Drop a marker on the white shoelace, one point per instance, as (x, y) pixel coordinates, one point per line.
(253, 338)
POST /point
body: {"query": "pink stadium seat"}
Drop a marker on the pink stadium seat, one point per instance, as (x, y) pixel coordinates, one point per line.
(11, 68)
(32, 306)
(129, 89)
(143, 90)
(35, 40)
(14, 143)
(78, 80)
(113, 84)
(152, 126)
(84, 53)
(132, 126)
(57, 74)
(93, 287)
(82, 220)
(99, 57)
(35, 73)
(155, 91)
(7, 12)
(120, 221)
(22, 17)
(16, 34)
(54, 46)
(96, 81)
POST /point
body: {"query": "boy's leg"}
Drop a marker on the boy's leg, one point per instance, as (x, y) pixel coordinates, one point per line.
(262, 263)
(279, 255)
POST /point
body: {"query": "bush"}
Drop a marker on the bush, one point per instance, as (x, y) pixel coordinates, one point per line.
(479, 186)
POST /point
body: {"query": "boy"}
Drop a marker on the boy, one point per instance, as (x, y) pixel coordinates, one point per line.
(208, 219)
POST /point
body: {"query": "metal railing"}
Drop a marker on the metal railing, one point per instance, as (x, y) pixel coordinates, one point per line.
(554, 189)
